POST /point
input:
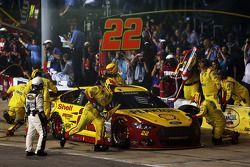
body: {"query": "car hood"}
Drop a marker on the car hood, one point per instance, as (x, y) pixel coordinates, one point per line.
(167, 117)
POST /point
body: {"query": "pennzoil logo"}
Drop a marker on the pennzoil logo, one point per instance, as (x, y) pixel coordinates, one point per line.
(31, 97)
(232, 118)
(168, 117)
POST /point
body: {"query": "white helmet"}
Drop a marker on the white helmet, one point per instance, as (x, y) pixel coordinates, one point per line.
(37, 81)
(169, 56)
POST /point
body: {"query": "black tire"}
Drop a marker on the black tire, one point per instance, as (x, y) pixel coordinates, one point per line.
(57, 126)
(197, 132)
(120, 134)
(191, 110)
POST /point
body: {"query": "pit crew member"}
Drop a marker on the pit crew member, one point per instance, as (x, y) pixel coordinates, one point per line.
(210, 82)
(15, 114)
(99, 97)
(47, 85)
(214, 117)
(234, 90)
(36, 118)
(112, 72)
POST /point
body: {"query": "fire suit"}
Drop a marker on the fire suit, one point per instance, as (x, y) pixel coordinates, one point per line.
(36, 121)
(210, 85)
(16, 107)
(191, 86)
(236, 91)
(117, 77)
(99, 98)
(48, 85)
(214, 117)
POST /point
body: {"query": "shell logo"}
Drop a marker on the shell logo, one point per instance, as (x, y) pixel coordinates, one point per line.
(232, 118)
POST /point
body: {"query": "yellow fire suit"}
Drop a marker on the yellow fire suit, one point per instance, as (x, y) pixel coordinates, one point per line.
(191, 86)
(16, 106)
(99, 98)
(210, 85)
(116, 77)
(236, 91)
(47, 85)
(214, 117)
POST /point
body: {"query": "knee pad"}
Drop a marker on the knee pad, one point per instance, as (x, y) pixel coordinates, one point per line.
(7, 117)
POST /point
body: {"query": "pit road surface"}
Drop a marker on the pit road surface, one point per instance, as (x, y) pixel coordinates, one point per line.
(12, 153)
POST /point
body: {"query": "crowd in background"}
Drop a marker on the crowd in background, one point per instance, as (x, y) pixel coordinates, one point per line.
(163, 47)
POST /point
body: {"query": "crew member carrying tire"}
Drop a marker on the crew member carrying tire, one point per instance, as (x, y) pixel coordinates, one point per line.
(99, 97)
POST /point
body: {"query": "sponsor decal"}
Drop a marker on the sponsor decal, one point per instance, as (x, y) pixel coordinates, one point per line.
(168, 117)
(153, 110)
(232, 118)
(175, 122)
(65, 107)
(144, 133)
(67, 115)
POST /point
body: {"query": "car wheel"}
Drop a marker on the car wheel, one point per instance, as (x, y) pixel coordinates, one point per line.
(57, 126)
(120, 134)
(191, 110)
(197, 132)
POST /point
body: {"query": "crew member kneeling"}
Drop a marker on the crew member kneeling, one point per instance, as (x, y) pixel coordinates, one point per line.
(36, 118)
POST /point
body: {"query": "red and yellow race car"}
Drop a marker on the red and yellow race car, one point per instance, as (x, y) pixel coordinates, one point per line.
(143, 121)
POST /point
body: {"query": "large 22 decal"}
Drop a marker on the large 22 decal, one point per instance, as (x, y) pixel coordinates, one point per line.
(121, 35)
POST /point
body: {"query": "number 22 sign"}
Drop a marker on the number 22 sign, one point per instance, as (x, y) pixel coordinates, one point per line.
(122, 35)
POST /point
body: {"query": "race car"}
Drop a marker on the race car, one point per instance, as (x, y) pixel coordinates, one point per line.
(237, 117)
(143, 121)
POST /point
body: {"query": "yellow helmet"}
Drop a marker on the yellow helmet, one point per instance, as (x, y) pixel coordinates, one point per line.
(112, 68)
(34, 72)
(110, 84)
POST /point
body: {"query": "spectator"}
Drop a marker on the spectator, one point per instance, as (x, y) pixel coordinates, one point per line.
(156, 73)
(141, 70)
(246, 78)
(76, 42)
(67, 72)
(210, 52)
(35, 57)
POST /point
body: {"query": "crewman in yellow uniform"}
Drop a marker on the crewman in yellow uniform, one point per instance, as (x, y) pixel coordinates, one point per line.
(112, 72)
(16, 112)
(214, 117)
(234, 90)
(210, 82)
(99, 97)
(48, 85)
(192, 85)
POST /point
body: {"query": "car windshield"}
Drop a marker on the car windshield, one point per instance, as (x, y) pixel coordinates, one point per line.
(133, 100)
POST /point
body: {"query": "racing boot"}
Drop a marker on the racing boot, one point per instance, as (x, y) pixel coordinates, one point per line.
(7, 117)
(30, 153)
(41, 153)
(100, 148)
(65, 136)
(216, 141)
